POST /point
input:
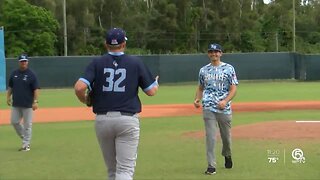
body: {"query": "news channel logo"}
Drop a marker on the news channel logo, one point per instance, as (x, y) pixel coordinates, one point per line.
(274, 156)
(297, 155)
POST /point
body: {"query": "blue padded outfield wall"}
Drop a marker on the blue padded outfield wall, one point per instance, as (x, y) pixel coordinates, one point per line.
(56, 72)
(2, 63)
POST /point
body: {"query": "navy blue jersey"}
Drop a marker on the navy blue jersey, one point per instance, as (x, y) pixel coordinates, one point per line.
(23, 84)
(115, 81)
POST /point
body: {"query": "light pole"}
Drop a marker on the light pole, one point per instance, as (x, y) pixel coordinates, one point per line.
(65, 29)
(294, 26)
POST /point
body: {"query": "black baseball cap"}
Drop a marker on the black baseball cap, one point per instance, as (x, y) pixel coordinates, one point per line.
(116, 36)
(215, 47)
(23, 57)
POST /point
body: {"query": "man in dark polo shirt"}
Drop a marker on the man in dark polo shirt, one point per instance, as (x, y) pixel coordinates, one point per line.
(22, 95)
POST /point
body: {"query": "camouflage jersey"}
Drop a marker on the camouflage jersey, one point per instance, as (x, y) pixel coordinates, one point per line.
(216, 81)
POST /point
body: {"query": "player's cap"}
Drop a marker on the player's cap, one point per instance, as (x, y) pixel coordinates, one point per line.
(23, 57)
(214, 47)
(116, 36)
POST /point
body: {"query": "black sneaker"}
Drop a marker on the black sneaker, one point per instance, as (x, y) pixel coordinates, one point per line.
(25, 148)
(228, 162)
(210, 171)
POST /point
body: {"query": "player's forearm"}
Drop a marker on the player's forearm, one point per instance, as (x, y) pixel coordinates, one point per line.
(81, 96)
(152, 91)
(232, 93)
(198, 97)
(80, 91)
(199, 92)
(9, 93)
(35, 94)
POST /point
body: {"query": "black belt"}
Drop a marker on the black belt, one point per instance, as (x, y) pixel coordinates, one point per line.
(122, 113)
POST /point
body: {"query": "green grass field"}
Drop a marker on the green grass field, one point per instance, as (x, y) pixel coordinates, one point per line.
(248, 91)
(70, 150)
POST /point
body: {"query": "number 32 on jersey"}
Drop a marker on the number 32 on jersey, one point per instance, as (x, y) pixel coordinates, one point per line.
(112, 83)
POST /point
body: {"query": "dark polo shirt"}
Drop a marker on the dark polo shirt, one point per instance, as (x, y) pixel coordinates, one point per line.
(23, 84)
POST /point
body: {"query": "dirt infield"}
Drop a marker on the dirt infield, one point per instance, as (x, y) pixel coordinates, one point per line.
(272, 129)
(84, 113)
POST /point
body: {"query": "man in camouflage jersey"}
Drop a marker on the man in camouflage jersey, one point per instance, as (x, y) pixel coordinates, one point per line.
(217, 86)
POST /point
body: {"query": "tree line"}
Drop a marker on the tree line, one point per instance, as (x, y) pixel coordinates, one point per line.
(160, 26)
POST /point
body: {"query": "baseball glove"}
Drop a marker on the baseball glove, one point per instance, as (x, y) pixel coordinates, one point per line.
(89, 98)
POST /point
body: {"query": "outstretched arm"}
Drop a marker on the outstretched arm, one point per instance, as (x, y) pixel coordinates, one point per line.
(154, 89)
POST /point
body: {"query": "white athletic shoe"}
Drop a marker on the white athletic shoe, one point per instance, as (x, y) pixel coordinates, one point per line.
(210, 171)
(25, 148)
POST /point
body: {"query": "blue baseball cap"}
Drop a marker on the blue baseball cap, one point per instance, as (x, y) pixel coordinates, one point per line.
(23, 57)
(116, 36)
(215, 47)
